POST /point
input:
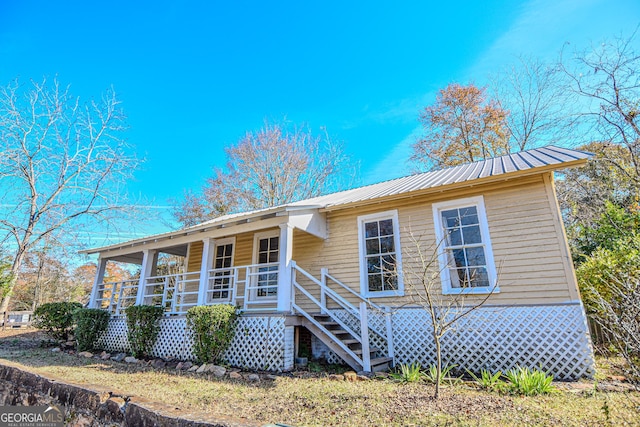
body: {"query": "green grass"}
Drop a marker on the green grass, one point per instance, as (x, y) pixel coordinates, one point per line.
(316, 400)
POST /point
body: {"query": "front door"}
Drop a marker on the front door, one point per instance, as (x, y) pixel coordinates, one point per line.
(266, 258)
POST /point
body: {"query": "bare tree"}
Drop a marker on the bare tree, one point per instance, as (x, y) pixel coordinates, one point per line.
(63, 165)
(607, 83)
(539, 104)
(461, 126)
(278, 164)
(422, 273)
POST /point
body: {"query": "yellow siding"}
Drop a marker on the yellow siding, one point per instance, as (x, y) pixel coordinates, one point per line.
(195, 256)
(528, 249)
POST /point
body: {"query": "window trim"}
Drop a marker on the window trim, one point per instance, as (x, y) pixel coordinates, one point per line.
(364, 282)
(478, 202)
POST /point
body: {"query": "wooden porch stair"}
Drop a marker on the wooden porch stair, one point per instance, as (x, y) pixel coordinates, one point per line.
(331, 333)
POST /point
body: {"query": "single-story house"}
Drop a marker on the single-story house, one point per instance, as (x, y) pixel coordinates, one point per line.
(332, 276)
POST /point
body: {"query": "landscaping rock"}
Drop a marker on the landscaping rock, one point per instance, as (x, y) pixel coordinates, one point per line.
(158, 363)
(254, 378)
(130, 359)
(218, 371)
(55, 350)
(119, 357)
(69, 344)
(362, 378)
(235, 375)
(202, 368)
(105, 356)
(194, 368)
(185, 366)
(351, 376)
(271, 377)
(171, 364)
(86, 354)
(336, 377)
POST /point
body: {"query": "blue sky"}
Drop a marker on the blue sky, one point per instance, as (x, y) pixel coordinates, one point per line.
(195, 75)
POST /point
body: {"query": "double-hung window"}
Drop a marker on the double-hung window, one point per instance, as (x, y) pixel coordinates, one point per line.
(380, 258)
(465, 254)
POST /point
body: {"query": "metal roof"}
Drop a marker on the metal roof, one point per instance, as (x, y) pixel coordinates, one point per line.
(525, 162)
(532, 161)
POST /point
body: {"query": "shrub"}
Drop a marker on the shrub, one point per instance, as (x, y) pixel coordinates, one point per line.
(143, 324)
(528, 382)
(408, 373)
(56, 319)
(90, 324)
(213, 328)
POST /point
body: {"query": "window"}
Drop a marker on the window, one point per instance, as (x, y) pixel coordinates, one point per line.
(267, 250)
(465, 255)
(380, 258)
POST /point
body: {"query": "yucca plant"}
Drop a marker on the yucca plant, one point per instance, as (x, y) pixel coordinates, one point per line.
(408, 373)
(432, 373)
(487, 380)
(529, 382)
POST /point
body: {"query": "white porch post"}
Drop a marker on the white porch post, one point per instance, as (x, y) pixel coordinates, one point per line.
(207, 263)
(284, 270)
(149, 264)
(102, 268)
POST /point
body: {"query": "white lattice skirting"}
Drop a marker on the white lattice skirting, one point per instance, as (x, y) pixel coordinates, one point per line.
(260, 342)
(553, 337)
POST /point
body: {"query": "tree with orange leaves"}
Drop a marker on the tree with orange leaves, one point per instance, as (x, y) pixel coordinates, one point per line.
(462, 126)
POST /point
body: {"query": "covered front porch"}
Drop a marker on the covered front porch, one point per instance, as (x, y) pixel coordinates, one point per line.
(246, 263)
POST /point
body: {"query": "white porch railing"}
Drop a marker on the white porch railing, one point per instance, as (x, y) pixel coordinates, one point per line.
(251, 287)
(116, 296)
(258, 282)
(176, 293)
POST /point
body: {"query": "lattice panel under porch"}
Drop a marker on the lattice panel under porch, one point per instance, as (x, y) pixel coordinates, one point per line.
(259, 343)
(115, 338)
(554, 338)
(174, 340)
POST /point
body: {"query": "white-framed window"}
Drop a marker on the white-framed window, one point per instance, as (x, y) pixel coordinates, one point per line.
(380, 254)
(266, 251)
(464, 246)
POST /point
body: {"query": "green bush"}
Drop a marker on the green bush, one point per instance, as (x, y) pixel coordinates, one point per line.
(56, 319)
(90, 324)
(528, 382)
(143, 323)
(212, 328)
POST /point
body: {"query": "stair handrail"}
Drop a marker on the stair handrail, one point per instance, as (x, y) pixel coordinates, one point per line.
(350, 308)
(343, 303)
(310, 318)
(356, 294)
(356, 311)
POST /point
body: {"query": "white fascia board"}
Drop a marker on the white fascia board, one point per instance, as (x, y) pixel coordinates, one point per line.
(184, 238)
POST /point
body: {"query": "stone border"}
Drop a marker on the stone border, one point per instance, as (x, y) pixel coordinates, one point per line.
(85, 406)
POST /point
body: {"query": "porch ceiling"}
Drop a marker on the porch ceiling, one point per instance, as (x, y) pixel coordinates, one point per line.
(136, 257)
